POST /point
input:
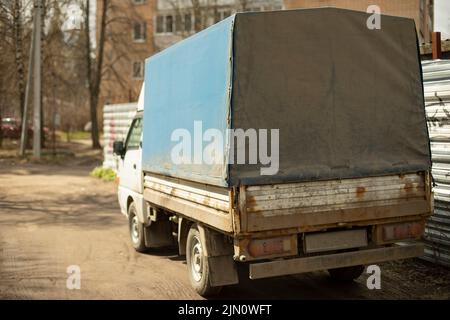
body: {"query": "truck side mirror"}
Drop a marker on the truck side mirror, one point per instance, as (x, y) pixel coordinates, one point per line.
(119, 148)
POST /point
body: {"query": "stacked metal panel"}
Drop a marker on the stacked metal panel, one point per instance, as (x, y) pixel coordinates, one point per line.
(436, 77)
(116, 122)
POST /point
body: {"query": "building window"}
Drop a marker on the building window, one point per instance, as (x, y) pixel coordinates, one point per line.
(169, 24)
(217, 16)
(207, 19)
(140, 31)
(159, 24)
(187, 22)
(178, 23)
(220, 15)
(138, 70)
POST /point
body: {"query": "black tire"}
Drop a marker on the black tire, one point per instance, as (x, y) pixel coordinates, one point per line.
(197, 263)
(346, 274)
(136, 230)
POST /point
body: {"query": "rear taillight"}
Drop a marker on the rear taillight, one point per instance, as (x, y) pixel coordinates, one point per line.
(389, 233)
(258, 248)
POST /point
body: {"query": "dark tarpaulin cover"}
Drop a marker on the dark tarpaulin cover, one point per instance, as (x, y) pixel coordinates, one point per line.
(348, 100)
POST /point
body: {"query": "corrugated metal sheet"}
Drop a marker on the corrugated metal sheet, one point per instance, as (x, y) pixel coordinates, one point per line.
(116, 122)
(436, 76)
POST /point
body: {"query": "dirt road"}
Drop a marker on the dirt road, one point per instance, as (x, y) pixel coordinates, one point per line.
(55, 216)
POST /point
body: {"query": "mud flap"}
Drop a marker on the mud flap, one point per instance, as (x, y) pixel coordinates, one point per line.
(223, 271)
(220, 258)
(159, 234)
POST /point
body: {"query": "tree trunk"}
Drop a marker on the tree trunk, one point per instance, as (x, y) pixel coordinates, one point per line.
(94, 68)
(198, 23)
(43, 39)
(1, 132)
(18, 48)
(94, 120)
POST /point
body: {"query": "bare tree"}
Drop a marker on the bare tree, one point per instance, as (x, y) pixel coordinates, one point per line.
(19, 50)
(15, 34)
(206, 12)
(64, 93)
(2, 68)
(113, 32)
(73, 62)
(94, 64)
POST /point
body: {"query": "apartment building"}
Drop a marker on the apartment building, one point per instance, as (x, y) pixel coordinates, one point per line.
(129, 41)
(177, 19)
(141, 28)
(442, 18)
(419, 10)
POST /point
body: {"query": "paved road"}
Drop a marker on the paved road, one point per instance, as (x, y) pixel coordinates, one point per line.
(52, 217)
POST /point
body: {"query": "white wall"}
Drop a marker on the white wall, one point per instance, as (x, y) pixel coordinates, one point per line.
(442, 18)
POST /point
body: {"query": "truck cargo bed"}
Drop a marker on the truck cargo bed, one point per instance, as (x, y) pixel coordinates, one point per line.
(333, 202)
(293, 207)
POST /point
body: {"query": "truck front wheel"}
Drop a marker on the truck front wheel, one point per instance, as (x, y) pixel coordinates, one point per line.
(197, 263)
(346, 274)
(136, 230)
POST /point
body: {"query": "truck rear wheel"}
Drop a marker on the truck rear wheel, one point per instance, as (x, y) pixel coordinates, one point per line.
(346, 274)
(136, 230)
(197, 263)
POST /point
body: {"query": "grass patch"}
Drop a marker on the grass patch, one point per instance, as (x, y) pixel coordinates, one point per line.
(106, 174)
(74, 135)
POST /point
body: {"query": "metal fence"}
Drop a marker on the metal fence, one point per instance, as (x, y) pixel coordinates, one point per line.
(116, 122)
(436, 76)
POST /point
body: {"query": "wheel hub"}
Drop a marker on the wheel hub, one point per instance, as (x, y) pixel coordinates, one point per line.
(135, 230)
(197, 260)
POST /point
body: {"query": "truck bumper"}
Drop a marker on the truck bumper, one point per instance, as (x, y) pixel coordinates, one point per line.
(332, 261)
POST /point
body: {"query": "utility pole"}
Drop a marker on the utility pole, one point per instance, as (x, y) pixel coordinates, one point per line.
(24, 134)
(37, 82)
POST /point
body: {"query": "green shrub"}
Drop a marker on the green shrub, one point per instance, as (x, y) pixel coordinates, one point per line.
(106, 174)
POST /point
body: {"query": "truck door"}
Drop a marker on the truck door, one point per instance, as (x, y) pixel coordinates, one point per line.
(131, 173)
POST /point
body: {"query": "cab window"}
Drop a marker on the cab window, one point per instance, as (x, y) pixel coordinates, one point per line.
(134, 137)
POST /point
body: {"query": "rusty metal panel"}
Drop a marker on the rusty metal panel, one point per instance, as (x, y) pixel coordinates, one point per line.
(324, 202)
(196, 201)
(331, 261)
(436, 75)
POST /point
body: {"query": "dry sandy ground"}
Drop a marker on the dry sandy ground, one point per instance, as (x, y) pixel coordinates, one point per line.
(54, 216)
